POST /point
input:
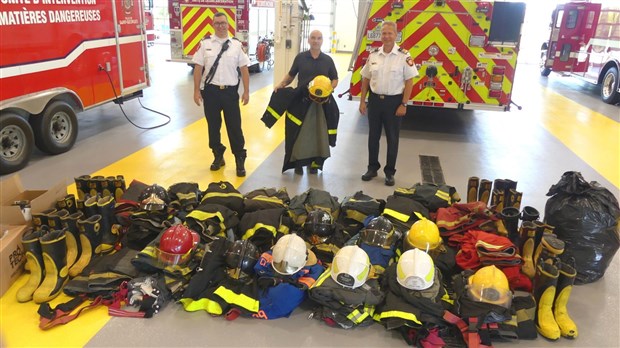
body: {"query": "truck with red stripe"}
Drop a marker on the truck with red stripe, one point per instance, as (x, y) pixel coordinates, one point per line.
(584, 42)
(58, 58)
(192, 20)
(465, 51)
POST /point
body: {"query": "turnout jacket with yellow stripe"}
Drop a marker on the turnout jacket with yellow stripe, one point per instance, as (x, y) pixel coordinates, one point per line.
(293, 104)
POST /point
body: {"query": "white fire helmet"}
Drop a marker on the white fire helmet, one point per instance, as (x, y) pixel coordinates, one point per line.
(415, 270)
(350, 267)
(289, 254)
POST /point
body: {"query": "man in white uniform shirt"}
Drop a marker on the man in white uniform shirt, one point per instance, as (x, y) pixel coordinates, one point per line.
(388, 75)
(218, 62)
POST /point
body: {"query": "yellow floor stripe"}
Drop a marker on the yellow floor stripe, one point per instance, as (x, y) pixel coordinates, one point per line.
(183, 155)
(590, 135)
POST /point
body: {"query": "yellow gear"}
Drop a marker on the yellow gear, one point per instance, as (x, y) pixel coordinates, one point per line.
(490, 285)
(423, 235)
(320, 89)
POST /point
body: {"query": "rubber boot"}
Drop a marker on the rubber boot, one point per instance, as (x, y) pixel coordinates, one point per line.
(529, 214)
(74, 248)
(550, 246)
(510, 217)
(527, 247)
(484, 191)
(568, 328)
(34, 260)
(472, 189)
(497, 200)
(90, 240)
(81, 184)
(106, 186)
(54, 220)
(513, 199)
(240, 162)
(544, 292)
(67, 203)
(109, 231)
(95, 185)
(54, 249)
(218, 158)
(41, 219)
(90, 206)
(119, 187)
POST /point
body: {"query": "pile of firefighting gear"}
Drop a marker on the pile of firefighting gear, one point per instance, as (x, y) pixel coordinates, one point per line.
(437, 271)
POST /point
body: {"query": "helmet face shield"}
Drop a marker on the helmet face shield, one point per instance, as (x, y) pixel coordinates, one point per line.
(489, 294)
(176, 245)
(320, 89)
(240, 259)
(318, 227)
(378, 238)
(153, 198)
(289, 255)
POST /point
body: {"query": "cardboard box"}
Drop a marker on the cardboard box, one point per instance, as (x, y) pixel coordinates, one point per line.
(12, 191)
(12, 255)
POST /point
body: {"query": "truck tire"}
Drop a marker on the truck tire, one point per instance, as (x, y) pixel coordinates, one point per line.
(55, 129)
(544, 71)
(609, 87)
(16, 143)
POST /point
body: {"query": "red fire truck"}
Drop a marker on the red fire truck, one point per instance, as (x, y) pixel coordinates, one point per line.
(585, 42)
(191, 21)
(58, 59)
(465, 51)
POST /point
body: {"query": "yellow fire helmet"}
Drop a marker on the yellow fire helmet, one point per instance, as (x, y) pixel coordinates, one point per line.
(350, 267)
(320, 89)
(423, 235)
(489, 285)
(415, 270)
(289, 254)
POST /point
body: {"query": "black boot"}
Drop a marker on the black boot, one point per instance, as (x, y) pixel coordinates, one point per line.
(54, 250)
(510, 217)
(218, 158)
(34, 258)
(240, 162)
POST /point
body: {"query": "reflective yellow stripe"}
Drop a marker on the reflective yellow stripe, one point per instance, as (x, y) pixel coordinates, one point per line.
(332, 131)
(356, 215)
(273, 113)
(322, 278)
(397, 314)
(251, 231)
(267, 199)
(405, 191)
(240, 300)
(205, 304)
(395, 214)
(443, 195)
(221, 194)
(293, 118)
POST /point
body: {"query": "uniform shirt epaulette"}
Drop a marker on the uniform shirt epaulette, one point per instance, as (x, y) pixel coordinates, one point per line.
(234, 38)
(402, 50)
(375, 50)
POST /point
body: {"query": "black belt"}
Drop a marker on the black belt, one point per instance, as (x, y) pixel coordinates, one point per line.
(383, 96)
(220, 87)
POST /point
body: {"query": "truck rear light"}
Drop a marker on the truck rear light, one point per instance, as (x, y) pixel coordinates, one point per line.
(497, 78)
(499, 70)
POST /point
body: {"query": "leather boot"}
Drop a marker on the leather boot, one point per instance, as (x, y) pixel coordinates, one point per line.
(510, 217)
(109, 231)
(90, 240)
(81, 184)
(34, 260)
(240, 162)
(545, 284)
(484, 191)
(566, 280)
(472, 189)
(67, 203)
(74, 248)
(54, 249)
(218, 158)
(527, 247)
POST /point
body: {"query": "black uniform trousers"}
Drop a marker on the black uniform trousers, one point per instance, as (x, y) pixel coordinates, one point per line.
(215, 100)
(382, 114)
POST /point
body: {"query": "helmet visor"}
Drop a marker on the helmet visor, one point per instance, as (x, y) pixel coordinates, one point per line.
(165, 259)
(377, 238)
(152, 203)
(489, 294)
(287, 268)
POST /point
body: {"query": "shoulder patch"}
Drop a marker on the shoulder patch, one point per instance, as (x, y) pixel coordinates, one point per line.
(402, 50)
(409, 61)
(375, 50)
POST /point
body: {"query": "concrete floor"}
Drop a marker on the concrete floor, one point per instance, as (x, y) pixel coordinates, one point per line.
(520, 145)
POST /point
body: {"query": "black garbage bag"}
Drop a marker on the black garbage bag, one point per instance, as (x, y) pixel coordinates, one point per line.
(585, 216)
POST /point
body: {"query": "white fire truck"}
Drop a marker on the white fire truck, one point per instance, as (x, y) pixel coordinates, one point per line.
(58, 58)
(585, 43)
(465, 51)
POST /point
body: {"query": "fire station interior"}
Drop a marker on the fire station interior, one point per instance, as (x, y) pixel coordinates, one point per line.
(562, 125)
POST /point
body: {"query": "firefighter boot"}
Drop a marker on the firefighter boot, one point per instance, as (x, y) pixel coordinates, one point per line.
(54, 220)
(67, 203)
(42, 219)
(218, 159)
(90, 238)
(550, 246)
(240, 162)
(119, 187)
(484, 191)
(34, 259)
(566, 279)
(74, 248)
(109, 231)
(81, 184)
(510, 218)
(472, 189)
(95, 186)
(513, 199)
(497, 200)
(544, 292)
(90, 206)
(529, 214)
(528, 236)
(54, 249)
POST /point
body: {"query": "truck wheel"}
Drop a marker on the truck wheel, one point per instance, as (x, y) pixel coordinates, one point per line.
(55, 129)
(16, 143)
(544, 71)
(609, 88)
